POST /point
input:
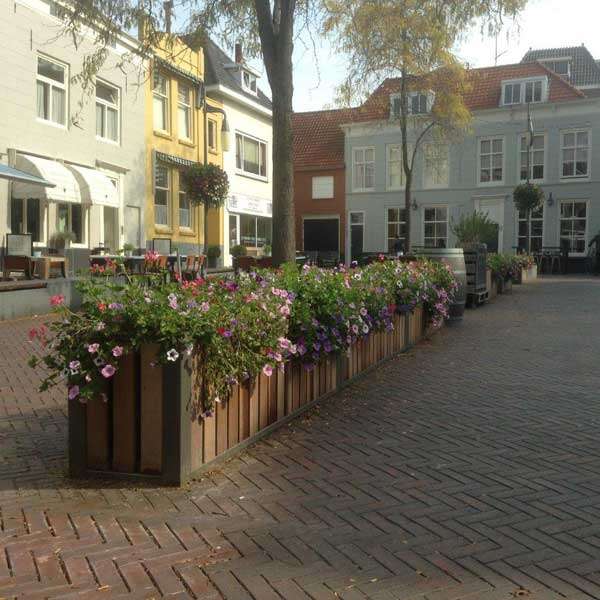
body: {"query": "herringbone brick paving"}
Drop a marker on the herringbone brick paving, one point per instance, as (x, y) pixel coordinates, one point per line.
(468, 468)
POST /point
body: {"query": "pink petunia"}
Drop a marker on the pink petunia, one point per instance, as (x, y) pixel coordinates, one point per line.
(108, 371)
(267, 370)
(117, 351)
(73, 392)
(93, 348)
(57, 300)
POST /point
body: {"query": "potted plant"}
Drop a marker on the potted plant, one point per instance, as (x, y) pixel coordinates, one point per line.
(212, 254)
(238, 250)
(61, 240)
(267, 250)
(128, 249)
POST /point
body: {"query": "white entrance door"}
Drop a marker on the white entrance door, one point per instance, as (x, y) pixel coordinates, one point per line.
(494, 209)
(133, 226)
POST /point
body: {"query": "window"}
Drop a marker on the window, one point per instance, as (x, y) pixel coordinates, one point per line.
(536, 157)
(249, 82)
(184, 111)
(107, 112)
(185, 210)
(396, 227)
(161, 195)
(418, 103)
(212, 135)
(322, 187)
(531, 231)
(491, 160)
(395, 170)
(533, 91)
(512, 93)
(560, 67)
(255, 232)
(26, 217)
(573, 220)
(363, 169)
(575, 150)
(160, 102)
(435, 221)
(69, 217)
(250, 155)
(436, 165)
(51, 91)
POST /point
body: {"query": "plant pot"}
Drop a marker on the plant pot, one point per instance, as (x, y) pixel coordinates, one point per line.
(212, 262)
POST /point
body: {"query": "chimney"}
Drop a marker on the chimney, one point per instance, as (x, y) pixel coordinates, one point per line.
(168, 6)
(239, 54)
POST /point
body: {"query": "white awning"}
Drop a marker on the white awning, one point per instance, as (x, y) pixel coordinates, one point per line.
(66, 187)
(96, 187)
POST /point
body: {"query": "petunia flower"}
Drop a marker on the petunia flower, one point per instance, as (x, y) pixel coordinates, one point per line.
(93, 348)
(117, 351)
(108, 371)
(73, 392)
(267, 370)
(172, 355)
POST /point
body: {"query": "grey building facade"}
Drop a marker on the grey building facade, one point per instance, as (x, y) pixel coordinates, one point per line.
(89, 144)
(480, 170)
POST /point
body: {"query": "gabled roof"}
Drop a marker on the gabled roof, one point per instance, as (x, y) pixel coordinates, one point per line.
(485, 89)
(319, 139)
(216, 73)
(584, 68)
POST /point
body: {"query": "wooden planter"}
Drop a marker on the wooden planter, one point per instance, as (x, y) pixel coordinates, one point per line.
(491, 284)
(147, 428)
(530, 274)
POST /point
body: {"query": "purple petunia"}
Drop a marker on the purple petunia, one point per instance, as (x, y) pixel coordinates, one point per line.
(108, 371)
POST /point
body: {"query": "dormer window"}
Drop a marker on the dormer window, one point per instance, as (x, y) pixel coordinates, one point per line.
(249, 82)
(419, 103)
(524, 91)
(561, 67)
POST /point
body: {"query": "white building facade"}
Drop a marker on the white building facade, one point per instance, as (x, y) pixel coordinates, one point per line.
(89, 144)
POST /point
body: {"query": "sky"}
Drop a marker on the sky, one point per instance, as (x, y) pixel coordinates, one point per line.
(543, 24)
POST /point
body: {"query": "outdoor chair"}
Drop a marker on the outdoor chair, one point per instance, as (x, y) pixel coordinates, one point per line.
(312, 256)
(328, 259)
(18, 255)
(192, 269)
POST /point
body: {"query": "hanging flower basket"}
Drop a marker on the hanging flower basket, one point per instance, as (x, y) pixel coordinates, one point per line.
(528, 196)
(206, 184)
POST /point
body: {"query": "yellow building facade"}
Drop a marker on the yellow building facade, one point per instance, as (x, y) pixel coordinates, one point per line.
(175, 139)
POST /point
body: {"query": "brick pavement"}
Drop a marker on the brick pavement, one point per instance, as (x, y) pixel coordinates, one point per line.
(468, 469)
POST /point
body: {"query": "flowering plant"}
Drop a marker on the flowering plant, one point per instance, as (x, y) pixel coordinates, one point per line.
(232, 329)
(206, 184)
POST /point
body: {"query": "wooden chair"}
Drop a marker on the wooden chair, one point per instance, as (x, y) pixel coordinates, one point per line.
(18, 255)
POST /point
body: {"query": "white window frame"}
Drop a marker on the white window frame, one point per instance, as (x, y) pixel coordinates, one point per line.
(447, 221)
(252, 87)
(240, 170)
(330, 185)
(491, 139)
(386, 238)
(84, 222)
(166, 98)
(52, 83)
(388, 151)
(188, 108)
(106, 105)
(428, 183)
(189, 227)
(168, 189)
(587, 221)
(525, 136)
(575, 177)
(518, 220)
(364, 163)
(522, 83)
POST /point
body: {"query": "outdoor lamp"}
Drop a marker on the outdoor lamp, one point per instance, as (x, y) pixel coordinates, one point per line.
(550, 199)
(414, 205)
(225, 134)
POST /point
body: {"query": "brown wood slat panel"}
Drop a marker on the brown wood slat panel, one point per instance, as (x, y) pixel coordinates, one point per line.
(197, 442)
(272, 403)
(254, 405)
(221, 409)
(151, 410)
(97, 434)
(281, 375)
(303, 397)
(289, 407)
(125, 416)
(210, 436)
(263, 401)
(244, 431)
(233, 408)
(315, 383)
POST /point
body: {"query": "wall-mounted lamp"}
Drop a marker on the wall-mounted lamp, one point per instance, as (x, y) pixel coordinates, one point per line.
(550, 200)
(414, 205)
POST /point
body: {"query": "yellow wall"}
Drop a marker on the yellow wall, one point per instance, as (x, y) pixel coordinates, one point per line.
(178, 53)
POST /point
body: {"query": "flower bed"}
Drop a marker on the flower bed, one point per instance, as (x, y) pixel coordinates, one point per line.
(510, 268)
(145, 353)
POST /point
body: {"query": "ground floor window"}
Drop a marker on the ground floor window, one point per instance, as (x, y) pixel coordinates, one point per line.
(234, 230)
(396, 228)
(185, 210)
(531, 230)
(161, 195)
(69, 217)
(26, 217)
(573, 221)
(255, 232)
(435, 224)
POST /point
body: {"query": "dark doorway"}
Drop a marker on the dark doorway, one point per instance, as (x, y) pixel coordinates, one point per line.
(322, 235)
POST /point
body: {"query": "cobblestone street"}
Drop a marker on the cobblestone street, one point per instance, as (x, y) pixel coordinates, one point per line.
(468, 468)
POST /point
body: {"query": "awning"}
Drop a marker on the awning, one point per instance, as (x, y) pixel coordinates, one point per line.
(66, 188)
(96, 187)
(13, 174)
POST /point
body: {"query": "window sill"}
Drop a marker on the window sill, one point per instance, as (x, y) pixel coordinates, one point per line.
(363, 191)
(163, 134)
(188, 143)
(213, 151)
(52, 124)
(162, 228)
(187, 232)
(108, 141)
(491, 183)
(572, 178)
(252, 176)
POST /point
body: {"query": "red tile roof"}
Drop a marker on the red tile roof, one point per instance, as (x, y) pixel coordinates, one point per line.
(319, 139)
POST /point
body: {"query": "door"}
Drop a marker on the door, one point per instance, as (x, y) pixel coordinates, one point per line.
(494, 209)
(321, 235)
(357, 232)
(133, 226)
(111, 228)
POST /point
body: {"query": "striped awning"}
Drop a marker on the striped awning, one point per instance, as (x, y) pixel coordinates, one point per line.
(13, 174)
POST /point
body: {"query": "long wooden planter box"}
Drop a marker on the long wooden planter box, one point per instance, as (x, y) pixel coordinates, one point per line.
(146, 428)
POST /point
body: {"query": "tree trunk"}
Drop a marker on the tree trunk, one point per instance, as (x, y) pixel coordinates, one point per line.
(284, 242)
(408, 215)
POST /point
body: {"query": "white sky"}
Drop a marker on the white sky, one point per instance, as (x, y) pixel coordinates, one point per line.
(543, 24)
